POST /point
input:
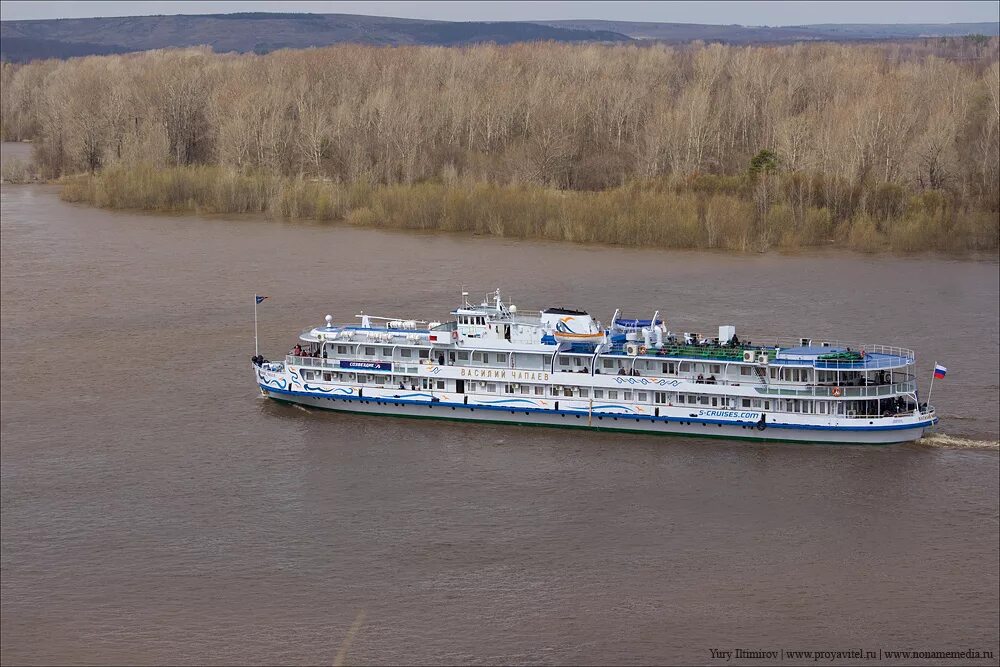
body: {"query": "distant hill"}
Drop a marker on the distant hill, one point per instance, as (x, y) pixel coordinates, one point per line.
(263, 32)
(738, 34)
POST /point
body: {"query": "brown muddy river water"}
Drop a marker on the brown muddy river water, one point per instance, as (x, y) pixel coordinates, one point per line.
(156, 510)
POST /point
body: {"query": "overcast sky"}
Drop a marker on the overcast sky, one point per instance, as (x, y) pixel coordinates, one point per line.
(745, 13)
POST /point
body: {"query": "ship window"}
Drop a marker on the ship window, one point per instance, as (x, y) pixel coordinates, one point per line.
(640, 396)
(327, 377)
(440, 384)
(715, 402)
(660, 397)
(756, 403)
(612, 394)
(567, 391)
(370, 351)
(462, 356)
(491, 388)
(477, 357)
(774, 373)
(539, 390)
(745, 370)
(584, 392)
(598, 393)
(386, 351)
(746, 402)
(508, 389)
(685, 366)
(341, 349)
(715, 368)
(767, 405)
(423, 354)
(608, 363)
(704, 400)
(502, 358)
(669, 368)
(563, 361)
(627, 395)
(525, 389)
(405, 352)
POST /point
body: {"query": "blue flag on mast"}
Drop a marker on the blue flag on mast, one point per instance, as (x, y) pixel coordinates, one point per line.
(259, 297)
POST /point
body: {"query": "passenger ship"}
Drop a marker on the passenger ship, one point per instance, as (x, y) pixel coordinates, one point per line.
(560, 367)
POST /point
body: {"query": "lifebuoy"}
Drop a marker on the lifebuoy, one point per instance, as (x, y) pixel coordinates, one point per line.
(836, 391)
(642, 349)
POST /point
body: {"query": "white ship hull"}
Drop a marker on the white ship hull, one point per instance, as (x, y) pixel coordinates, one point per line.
(424, 408)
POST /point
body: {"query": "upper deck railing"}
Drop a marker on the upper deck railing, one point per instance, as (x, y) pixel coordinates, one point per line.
(875, 356)
(822, 391)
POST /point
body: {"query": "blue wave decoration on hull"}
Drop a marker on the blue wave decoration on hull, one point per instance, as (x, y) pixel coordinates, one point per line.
(641, 380)
(335, 390)
(280, 384)
(510, 400)
(613, 407)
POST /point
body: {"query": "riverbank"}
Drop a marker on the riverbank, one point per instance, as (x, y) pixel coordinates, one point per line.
(706, 213)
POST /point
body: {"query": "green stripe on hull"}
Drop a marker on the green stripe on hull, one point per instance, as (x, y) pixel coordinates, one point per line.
(606, 429)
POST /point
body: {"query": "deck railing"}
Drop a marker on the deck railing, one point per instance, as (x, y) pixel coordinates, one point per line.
(727, 353)
(870, 391)
(313, 362)
(772, 388)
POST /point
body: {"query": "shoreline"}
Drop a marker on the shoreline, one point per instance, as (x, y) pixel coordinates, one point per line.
(831, 249)
(640, 215)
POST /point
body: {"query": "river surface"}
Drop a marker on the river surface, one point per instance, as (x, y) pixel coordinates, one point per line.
(155, 509)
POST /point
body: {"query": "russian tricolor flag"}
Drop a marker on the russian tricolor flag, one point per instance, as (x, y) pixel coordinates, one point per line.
(940, 371)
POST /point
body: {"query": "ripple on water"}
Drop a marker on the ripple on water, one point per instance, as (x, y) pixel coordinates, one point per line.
(943, 440)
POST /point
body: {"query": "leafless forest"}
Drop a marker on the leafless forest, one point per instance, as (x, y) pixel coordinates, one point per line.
(868, 146)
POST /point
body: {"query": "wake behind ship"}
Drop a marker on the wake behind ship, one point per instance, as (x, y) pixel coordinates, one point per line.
(560, 367)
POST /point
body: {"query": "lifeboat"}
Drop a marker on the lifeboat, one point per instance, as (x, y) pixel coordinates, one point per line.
(571, 337)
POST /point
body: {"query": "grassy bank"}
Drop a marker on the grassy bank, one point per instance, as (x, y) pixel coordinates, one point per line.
(735, 214)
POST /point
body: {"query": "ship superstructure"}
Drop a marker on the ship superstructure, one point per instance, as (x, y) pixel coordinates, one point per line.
(561, 367)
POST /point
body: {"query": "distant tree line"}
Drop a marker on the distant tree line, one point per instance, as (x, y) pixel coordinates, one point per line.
(809, 142)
